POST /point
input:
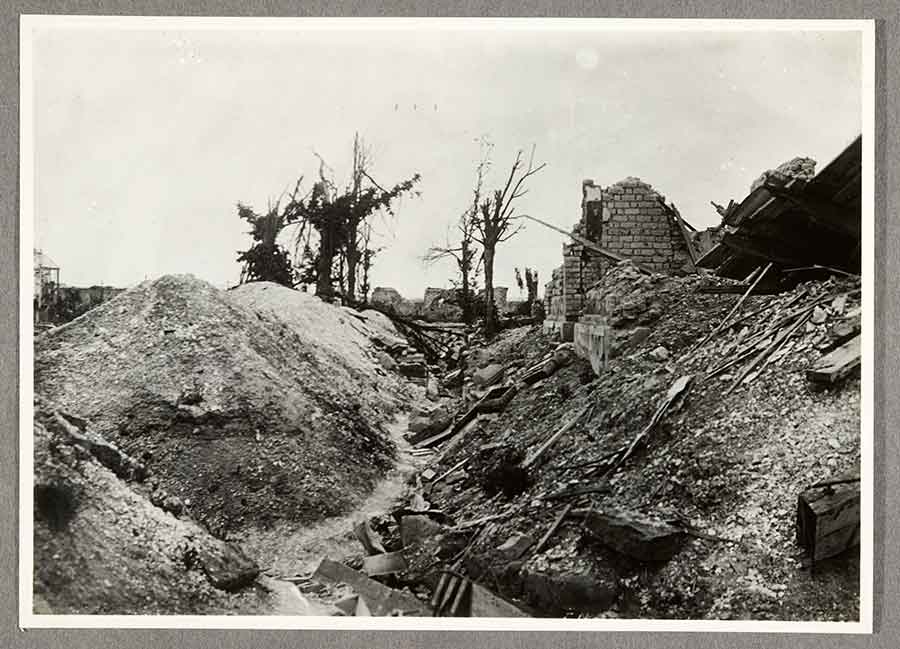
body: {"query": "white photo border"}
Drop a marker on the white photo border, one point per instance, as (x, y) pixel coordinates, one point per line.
(28, 619)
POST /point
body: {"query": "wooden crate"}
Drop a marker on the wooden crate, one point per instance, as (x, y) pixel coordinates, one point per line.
(828, 519)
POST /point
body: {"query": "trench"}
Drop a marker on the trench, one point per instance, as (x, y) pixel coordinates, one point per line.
(289, 550)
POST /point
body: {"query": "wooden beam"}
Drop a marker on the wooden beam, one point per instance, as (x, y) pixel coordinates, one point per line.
(740, 288)
(824, 213)
(534, 457)
(766, 249)
(590, 245)
(833, 367)
(734, 309)
(682, 227)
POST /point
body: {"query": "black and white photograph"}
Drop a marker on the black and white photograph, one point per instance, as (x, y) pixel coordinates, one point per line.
(444, 323)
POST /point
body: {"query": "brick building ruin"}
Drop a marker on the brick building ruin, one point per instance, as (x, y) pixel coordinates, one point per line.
(629, 219)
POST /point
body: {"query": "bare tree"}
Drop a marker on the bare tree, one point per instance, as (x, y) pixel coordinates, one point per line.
(465, 252)
(492, 227)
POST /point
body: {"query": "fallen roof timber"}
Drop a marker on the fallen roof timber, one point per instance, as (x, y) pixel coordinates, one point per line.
(824, 214)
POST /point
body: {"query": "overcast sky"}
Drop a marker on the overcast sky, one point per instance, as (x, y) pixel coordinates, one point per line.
(145, 140)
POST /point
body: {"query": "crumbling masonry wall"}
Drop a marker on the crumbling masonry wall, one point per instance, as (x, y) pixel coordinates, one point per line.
(628, 218)
(636, 224)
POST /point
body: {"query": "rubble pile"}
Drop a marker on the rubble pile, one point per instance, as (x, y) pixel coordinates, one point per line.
(247, 407)
(800, 167)
(692, 446)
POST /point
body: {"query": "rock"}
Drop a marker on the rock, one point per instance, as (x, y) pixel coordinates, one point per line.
(577, 584)
(227, 567)
(660, 354)
(419, 424)
(167, 502)
(818, 316)
(425, 425)
(488, 375)
(515, 546)
(433, 387)
(563, 354)
(416, 529)
(634, 535)
(638, 335)
(413, 369)
(384, 359)
(838, 304)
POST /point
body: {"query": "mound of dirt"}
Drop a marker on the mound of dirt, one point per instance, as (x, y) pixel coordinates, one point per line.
(729, 462)
(101, 548)
(251, 406)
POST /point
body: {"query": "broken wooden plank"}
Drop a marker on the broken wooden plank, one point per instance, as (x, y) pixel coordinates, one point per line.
(590, 245)
(553, 527)
(737, 288)
(828, 519)
(475, 522)
(449, 471)
(536, 455)
(734, 310)
(484, 603)
(497, 399)
(677, 391)
(453, 428)
(381, 600)
(384, 564)
(833, 367)
(539, 371)
(574, 492)
(780, 339)
(682, 226)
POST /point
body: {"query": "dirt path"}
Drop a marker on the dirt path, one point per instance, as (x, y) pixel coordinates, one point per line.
(288, 551)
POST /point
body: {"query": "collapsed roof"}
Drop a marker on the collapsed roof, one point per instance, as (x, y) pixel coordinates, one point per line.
(795, 223)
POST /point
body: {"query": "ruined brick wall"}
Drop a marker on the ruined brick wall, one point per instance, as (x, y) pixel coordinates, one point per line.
(564, 293)
(636, 225)
(627, 218)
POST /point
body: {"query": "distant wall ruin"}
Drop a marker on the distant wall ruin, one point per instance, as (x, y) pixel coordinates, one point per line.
(438, 304)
